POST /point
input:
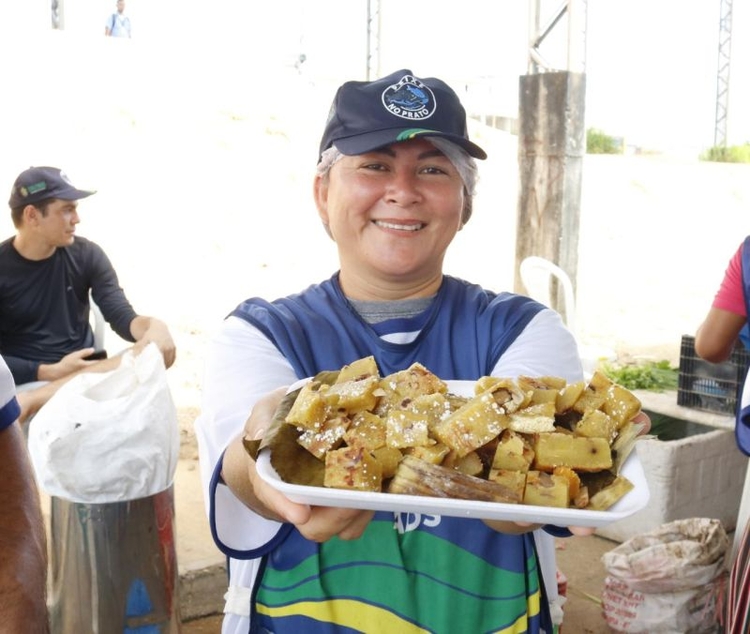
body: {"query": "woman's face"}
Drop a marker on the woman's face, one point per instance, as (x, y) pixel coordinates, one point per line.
(392, 213)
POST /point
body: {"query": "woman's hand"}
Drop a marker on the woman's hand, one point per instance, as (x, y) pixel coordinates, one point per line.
(643, 418)
(316, 523)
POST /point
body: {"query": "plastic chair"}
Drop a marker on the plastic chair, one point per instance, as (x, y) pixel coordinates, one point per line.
(98, 325)
(542, 279)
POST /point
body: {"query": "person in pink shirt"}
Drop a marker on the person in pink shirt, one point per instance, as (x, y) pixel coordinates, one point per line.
(724, 326)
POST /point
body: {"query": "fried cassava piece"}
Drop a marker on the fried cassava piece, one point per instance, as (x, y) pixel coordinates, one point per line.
(528, 440)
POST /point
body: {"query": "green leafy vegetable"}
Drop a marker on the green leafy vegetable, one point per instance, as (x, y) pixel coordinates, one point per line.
(655, 376)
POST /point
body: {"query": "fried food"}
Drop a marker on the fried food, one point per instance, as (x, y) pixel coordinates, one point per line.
(530, 440)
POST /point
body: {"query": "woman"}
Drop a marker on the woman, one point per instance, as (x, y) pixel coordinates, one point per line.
(715, 339)
(394, 185)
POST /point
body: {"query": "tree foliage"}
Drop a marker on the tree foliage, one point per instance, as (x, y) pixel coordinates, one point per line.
(598, 142)
(727, 154)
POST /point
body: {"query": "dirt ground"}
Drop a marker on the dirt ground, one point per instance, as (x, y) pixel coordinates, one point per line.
(208, 625)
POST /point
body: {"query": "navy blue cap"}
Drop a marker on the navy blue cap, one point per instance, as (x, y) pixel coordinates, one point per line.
(367, 115)
(40, 183)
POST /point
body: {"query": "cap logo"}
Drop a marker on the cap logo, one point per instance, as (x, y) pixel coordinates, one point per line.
(409, 99)
(36, 188)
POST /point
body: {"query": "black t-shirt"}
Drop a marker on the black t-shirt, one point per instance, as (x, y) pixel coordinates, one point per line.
(44, 305)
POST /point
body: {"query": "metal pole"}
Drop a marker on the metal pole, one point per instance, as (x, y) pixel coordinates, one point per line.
(722, 77)
(373, 39)
(552, 141)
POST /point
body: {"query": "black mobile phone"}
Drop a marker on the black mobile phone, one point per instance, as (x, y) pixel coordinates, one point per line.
(96, 355)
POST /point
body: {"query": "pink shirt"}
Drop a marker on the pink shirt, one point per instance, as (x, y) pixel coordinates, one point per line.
(730, 296)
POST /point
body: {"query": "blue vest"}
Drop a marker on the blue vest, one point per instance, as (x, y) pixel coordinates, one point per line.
(461, 337)
(742, 425)
(464, 333)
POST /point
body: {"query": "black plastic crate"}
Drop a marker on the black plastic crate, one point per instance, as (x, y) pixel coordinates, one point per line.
(713, 387)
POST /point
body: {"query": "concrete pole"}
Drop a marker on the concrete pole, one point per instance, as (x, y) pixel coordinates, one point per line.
(551, 146)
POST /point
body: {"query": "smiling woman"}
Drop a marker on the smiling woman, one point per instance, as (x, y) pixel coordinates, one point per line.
(394, 185)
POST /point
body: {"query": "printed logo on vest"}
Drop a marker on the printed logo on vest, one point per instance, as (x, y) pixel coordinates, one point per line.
(407, 522)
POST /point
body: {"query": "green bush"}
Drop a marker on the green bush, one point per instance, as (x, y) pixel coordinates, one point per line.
(597, 142)
(731, 154)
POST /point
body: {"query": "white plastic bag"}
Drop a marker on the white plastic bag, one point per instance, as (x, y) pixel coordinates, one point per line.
(667, 580)
(108, 437)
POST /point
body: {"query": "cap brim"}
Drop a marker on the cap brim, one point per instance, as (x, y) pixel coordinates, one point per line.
(74, 194)
(362, 143)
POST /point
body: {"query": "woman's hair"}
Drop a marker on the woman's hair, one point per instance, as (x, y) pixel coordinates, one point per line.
(465, 165)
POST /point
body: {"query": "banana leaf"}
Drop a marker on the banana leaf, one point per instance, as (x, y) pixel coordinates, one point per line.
(292, 462)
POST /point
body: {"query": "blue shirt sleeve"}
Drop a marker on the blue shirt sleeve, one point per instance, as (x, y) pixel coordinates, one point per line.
(9, 407)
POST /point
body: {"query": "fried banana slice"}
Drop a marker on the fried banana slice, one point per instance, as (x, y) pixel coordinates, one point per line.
(416, 477)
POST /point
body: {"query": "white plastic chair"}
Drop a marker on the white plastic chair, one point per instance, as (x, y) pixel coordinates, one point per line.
(98, 325)
(542, 279)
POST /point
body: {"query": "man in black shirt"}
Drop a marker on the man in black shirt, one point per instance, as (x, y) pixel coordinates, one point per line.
(47, 275)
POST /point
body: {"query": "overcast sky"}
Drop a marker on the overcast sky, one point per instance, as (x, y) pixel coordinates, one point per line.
(651, 65)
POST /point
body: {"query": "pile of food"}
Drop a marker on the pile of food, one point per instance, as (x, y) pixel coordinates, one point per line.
(529, 440)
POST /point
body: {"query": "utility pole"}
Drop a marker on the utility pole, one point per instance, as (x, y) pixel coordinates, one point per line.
(57, 15)
(373, 40)
(722, 78)
(552, 141)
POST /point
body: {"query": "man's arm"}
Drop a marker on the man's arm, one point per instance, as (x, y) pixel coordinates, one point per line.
(28, 371)
(119, 313)
(31, 401)
(22, 540)
(149, 329)
(69, 365)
